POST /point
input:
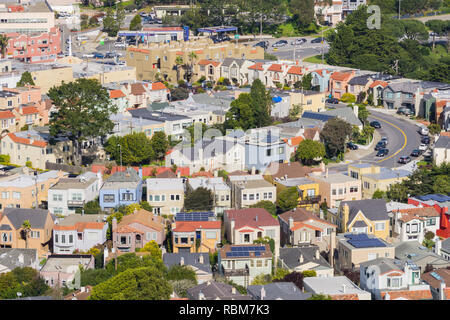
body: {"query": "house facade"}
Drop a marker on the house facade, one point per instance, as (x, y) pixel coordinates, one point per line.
(195, 236)
(166, 195)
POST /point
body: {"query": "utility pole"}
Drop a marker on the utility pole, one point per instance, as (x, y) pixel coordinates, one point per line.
(36, 188)
(399, 4)
(323, 42)
(120, 151)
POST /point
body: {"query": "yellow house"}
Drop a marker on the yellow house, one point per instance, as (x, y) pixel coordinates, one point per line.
(362, 216)
(375, 178)
(196, 236)
(313, 101)
(308, 191)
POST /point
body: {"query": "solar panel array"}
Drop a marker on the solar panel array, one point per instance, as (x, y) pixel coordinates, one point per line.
(436, 276)
(435, 197)
(194, 216)
(237, 252)
(363, 241)
(317, 116)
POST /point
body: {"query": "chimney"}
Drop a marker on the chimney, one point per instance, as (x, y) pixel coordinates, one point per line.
(233, 290)
(201, 260)
(253, 170)
(140, 172)
(82, 212)
(256, 218)
(201, 296)
(355, 110)
(442, 290)
(182, 261)
(263, 293)
(438, 246)
(322, 167)
(317, 254)
(301, 258)
(343, 288)
(114, 224)
(345, 215)
(291, 222)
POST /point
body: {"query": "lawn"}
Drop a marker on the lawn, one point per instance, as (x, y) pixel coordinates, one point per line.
(314, 59)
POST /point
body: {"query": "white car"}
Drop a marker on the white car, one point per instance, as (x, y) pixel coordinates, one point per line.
(120, 45)
(423, 147)
(424, 131)
(88, 55)
(82, 38)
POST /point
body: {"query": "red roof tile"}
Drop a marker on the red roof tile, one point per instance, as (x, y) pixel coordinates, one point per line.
(203, 174)
(295, 70)
(408, 294)
(137, 89)
(251, 217)
(80, 226)
(191, 226)
(341, 76)
(114, 94)
(29, 110)
(421, 212)
(158, 86)
(6, 114)
(138, 50)
(36, 143)
(257, 66)
(301, 225)
(275, 67)
(352, 296)
(295, 141)
(379, 83)
(205, 62)
(302, 215)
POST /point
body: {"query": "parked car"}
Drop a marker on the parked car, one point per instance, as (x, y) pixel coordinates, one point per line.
(280, 44)
(332, 101)
(120, 45)
(405, 111)
(82, 38)
(121, 62)
(375, 124)
(317, 40)
(425, 140)
(99, 55)
(404, 159)
(297, 42)
(352, 146)
(262, 44)
(385, 140)
(88, 55)
(382, 152)
(380, 145)
(416, 153)
(423, 147)
(424, 131)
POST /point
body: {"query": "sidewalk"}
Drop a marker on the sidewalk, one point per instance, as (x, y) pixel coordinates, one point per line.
(393, 113)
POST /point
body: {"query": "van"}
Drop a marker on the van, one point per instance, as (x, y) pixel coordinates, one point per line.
(82, 38)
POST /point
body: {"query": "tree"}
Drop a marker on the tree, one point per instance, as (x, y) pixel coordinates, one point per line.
(110, 25)
(320, 297)
(160, 144)
(132, 261)
(415, 30)
(303, 13)
(83, 111)
(240, 115)
(294, 277)
(190, 66)
(25, 79)
(280, 274)
(306, 81)
(287, 199)
(334, 135)
(439, 27)
(434, 128)
(92, 277)
(352, 275)
(363, 113)
(261, 103)
(153, 248)
(136, 148)
(181, 272)
(4, 40)
(297, 109)
(378, 194)
(442, 184)
(178, 63)
(25, 280)
(135, 23)
(266, 240)
(261, 279)
(309, 151)
(200, 199)
(135, 284)
(397, 192)
(309, 273)
(266, 204)
(145, 205)
(92, 207)
(179, 94)
(348, 98)
(26, 229)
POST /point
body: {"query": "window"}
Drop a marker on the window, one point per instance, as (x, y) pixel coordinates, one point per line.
(157, 198)
(251, 196)
(211, 234)
(366, 185)
(246, 237)
(70, 238)
(127, 196)
(379, 226)
(150, 197)
(341, 191)
(333, 192)
(108, 198)
(258, 263)
(63, 238)
(56, 238)
(354, 174)
(268, 152)
(265, 195)
(270, 195)
(414, 228)
(270, 233)
(76, 196)
(280, 150)
(5, 194)
(311, 192)
(431, 222)
(57, 197)
(353, 189)
(172, 197)
(244, 197)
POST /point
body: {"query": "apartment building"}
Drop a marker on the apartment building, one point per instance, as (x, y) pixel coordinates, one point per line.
(166, 195)
(27, 18)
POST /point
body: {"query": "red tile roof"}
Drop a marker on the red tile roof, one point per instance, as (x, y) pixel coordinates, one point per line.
(379, 83)
(352, 296)
(128, 229)
(138, 50)
(251, 217)
(29, 110)
(301, 225)
(257, 66)
(275, 67)
(295, 70)
(137, 89)
(203, 174)
(6, 114)
(408, 294)
(205, 62)
(295, 141)
(114, 94)
(302, 215)
(433, 282)
(179, 53)
(421, 212)
(36, 143)
(158, 86)
(191, 226)
(80, 226)
(341, 76)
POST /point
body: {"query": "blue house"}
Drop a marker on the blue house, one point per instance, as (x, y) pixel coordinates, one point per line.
(321, 79)
(122, 188)
(262, 148)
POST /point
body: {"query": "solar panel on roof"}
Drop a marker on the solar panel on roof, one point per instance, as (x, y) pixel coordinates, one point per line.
(257, 253)
(436, 276)
(194, 216)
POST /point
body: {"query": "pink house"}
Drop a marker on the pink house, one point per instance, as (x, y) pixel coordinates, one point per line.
(135, 230)
(339, 82)
(35, 48)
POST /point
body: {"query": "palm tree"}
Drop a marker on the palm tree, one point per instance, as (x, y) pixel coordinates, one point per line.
(26, 226)
(190, 67)
(3, 44)
(178, 63)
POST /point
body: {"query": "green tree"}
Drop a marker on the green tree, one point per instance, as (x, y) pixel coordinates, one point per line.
(132, 261)
(110, 25)
(397, 192)
(439, 28)
(295, 111)
(309, 273)
(279, 274)
(266, 240)
(179, 93)
(434, 128)
(302, 13)
(287, 199)
(378, 194)
(240, 115)
(26, 229)
(262, 279)
(146, 206)
(334, 135)
(363, 113)
(83, 112)
(160, 144)
(134, 284)
(181, 272)
(309, 151)
(200, 199)
(4, 40)
(92, 277)
(25, 280)
(348, 98)
(320, 297)
(261, 103)
(415, 30)
(92, 207)
(266, 204)
(136, 23)
(441, 184)
(306, 81)
(153, 248)
(136, 148)
(25, 79)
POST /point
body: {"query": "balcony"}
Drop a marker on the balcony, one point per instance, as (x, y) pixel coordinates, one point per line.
(309, 200)
(236, 272)
(75, 203)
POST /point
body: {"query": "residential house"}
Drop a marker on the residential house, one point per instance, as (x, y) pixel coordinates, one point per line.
(420, 255)
(339, 82)
(392, 279)
(363, 216)
(244, 226)
(442, 248)
(275, 75)
(321, 79)
(336, 187)
(376, 90)
(375, 178)
(39, 236)
(121, 188)
(402, 94)
(236, 70)
(300, 227)
(441, 150)
(21, 189)
(330, 11)
(242, 263)
(433, 105)
(247, 192)
(257, 71)
(308, 100)
(359, 86)
(354, 249)
(8, 121)
(439, 281)
(191, 233)
(11, 258)
(34, 146)
(79, 233)
(166, 195)
(210, 69)
(70, 194)
(308, 192)
(339, 288)
(124, 124)
(412, 224)
(305, 258)
(294, 74)
(221, 191)
(213, 290)
(277, 291)
(199, 262)
(81, 294)
(62, 270)
(263, 147)
(286, 174)
(137, 229)
(119, 99)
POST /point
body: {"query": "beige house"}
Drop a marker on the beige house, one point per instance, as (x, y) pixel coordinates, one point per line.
(165, 195)
(337, 187)
(249, 192)
(46, 76)
(220, 190)
(308, 100)
(375, 178)
(157, 61)
(441, 151)
(210, 69)
(34, 146)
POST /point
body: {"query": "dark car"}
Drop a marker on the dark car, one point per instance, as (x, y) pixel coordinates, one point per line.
(380, 145)
(382, 152)
(317, 40)
(404, 159)
(405, 111)
(99, 55)
(425, 140)
(262, 44)
(352, 146)
(280, 43)
(375, 124)
(332, 101)
(416, 153)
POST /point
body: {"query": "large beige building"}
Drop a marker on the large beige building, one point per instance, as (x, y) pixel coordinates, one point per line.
(34, 17)
(157, 61)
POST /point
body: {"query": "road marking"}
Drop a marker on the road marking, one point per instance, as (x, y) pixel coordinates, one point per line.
(404, 135)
